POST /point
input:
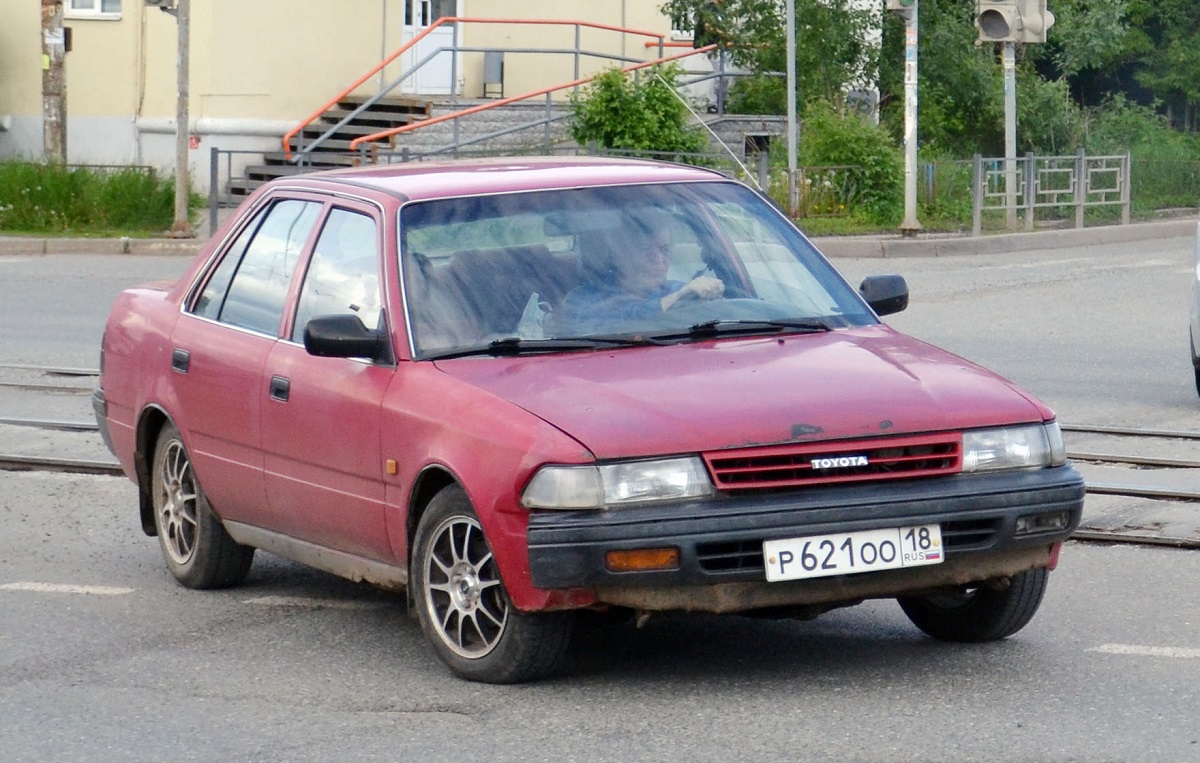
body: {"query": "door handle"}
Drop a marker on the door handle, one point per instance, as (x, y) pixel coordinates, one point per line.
(180, 360)
(279, 388)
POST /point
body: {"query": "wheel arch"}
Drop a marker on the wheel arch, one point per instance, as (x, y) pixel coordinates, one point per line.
(150, 425)
(431, 481)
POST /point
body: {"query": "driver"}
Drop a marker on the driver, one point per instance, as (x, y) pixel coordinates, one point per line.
(629, 283)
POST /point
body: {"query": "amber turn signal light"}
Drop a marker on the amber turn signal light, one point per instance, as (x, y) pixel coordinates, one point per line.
(642, 560)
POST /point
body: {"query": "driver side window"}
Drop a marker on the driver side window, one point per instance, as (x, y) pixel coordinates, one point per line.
(343, 274)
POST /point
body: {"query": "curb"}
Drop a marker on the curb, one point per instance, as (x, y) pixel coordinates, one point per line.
(14, 245)
(950, 246)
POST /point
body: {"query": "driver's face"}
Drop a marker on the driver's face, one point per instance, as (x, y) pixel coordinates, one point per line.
(643, 267)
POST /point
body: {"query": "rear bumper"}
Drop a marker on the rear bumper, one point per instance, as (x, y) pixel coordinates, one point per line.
(720, 540)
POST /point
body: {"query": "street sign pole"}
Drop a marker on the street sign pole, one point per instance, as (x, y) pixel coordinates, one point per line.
(1010, 134)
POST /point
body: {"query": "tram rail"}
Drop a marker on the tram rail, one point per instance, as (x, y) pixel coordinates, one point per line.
(1135, 461)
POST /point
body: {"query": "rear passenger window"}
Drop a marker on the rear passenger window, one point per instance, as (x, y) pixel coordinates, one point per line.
(249, 286)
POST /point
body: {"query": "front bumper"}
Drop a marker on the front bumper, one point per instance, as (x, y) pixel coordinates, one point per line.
(720, 540)
(100, 408)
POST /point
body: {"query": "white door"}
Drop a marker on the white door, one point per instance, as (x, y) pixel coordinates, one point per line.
(435, 76)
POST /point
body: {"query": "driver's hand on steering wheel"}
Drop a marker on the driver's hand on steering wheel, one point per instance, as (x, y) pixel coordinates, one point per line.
(704, 287)
(700, 287)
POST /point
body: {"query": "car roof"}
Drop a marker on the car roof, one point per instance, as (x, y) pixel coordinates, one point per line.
(441, 179)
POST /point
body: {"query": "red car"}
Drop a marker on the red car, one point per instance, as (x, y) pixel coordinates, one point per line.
(518, 388)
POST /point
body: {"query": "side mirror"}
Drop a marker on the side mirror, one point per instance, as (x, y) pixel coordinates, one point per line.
(342, 336)
(885, 294)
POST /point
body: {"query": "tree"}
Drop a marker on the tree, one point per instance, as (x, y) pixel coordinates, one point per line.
(1087, 35)
(835, 51)
(640, 112)
(1166, 49)
(960, 85)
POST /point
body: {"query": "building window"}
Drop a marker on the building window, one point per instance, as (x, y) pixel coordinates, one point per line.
(93, 9)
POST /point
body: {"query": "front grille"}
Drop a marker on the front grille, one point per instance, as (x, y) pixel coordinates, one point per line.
(790, 466)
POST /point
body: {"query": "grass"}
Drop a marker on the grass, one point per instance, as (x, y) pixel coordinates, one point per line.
(55, 199)
(50, 199)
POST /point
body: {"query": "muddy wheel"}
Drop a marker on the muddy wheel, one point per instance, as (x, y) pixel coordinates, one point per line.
(984, 613)
(197, 549)
(463, 608)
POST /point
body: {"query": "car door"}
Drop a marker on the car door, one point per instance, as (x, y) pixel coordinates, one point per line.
(220, 346)
(323, 467)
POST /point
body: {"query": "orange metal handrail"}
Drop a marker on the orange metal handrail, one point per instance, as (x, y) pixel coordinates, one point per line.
(287, 139)
(354, 144)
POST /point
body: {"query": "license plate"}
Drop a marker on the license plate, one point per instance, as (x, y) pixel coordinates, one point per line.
(845, 553)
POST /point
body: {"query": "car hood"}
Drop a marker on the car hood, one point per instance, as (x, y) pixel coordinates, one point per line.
(864, 382)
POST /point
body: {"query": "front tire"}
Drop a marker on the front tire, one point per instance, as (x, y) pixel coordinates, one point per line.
(199, 552)
(1195, 360)
(465, 612)
(985, 613)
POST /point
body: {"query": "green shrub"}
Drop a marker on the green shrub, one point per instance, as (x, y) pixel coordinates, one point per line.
(1165, 171)
(1049, 122)
(876, 165)
(54, 198)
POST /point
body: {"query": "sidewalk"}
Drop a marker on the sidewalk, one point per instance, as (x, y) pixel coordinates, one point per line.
(882, 246)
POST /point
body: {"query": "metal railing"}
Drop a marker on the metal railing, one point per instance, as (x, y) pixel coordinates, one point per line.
(368, 142)
(454, 48)
(1031, 183)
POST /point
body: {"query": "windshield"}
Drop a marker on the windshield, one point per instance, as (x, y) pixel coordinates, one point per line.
(597, 266)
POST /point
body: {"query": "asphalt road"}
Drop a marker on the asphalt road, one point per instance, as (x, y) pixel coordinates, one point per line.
(1099, 333)
(104, 657)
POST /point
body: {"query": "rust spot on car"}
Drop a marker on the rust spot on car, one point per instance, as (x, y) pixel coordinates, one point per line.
(805, 430)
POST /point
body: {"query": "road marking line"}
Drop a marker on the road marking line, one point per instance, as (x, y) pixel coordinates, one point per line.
(1147, 651)
(87, 590)
(303, 602)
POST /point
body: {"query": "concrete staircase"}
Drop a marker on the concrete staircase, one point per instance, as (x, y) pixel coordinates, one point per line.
(484, 132)
(334, 151)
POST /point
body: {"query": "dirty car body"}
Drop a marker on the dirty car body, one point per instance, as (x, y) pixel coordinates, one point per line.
(520, 388)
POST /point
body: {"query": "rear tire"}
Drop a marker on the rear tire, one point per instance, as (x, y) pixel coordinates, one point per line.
(199, 552)
(985, 613)
(462, 605)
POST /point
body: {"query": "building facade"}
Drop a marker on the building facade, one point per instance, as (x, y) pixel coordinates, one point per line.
(259, 67)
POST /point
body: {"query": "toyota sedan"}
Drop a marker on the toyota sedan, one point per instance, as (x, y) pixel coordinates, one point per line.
(518, 389)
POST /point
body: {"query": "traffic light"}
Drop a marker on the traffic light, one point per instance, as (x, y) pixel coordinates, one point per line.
(1012, 20)
(998, 21)
(1036, 18)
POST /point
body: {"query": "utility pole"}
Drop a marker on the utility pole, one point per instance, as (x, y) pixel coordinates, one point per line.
(182, 227)
(54, 82)
(793, 188)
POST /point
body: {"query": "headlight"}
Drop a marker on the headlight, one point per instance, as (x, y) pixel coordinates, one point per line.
(1023, 447)
(595, 487)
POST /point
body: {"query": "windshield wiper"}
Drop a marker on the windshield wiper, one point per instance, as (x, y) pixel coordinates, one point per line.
(512, 346)
(720, 327)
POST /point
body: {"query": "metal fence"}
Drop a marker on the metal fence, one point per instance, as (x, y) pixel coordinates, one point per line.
(1046, 187)
(1029, 184)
